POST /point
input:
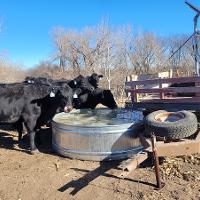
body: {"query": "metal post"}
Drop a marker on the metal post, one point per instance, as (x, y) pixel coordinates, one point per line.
(156, 162)
(196, 52)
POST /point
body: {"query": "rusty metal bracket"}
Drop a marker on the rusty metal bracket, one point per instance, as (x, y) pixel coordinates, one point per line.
(132, 163)
(156, 162)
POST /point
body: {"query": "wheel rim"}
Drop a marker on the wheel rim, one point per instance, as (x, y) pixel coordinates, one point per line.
(169, 117)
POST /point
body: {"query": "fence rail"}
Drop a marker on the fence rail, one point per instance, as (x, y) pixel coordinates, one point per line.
(166, 95)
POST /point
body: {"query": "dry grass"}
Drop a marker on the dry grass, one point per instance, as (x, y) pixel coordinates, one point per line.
(10, 72)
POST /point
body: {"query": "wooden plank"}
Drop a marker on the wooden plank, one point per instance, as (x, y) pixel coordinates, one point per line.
(182, 147)
(178, 148)
(164, 80)
(166, 90)
(163, 106)
(173, 100)
(197, 84)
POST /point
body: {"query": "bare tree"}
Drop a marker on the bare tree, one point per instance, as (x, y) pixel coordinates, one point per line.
(145, 52)
(87, 51)
(66, 46)
(60, 46)
(115, 52)
(180, 55)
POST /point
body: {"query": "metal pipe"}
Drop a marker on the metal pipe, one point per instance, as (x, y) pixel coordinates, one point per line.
(196, 51)
(192, 7)
(196, 33)
(156, 162)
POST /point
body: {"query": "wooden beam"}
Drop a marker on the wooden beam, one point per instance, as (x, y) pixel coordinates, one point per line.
(164, 105)
(164, 80)
(166, 90)
(184, 147)
(173, 100)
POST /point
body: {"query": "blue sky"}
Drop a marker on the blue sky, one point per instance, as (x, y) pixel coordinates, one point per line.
(27, 24)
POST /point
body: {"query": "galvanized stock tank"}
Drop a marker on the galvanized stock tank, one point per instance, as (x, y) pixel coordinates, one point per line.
(97, 135)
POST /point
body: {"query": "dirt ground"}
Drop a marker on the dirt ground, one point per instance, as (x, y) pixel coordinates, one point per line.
(49, 176)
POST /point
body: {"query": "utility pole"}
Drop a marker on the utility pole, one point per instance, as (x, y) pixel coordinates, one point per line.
(196, 37)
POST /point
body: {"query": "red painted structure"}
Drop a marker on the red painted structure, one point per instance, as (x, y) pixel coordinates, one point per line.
(165, 97)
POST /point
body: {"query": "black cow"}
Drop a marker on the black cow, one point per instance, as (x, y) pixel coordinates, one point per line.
(88, 93)
(84, 84)
(81, 84)
(88, 83)
(38, 80)
(94, 79)
(27, 103)
(98, 96)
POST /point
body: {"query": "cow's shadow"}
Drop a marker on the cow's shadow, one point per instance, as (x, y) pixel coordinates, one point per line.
(102, 170)
(9, 140)
(44, 144)
(85, 180)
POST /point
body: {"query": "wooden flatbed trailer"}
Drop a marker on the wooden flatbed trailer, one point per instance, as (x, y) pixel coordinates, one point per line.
(164, 99)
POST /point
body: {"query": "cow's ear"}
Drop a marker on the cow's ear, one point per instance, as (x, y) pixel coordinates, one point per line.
(31, 81)
(100, 77)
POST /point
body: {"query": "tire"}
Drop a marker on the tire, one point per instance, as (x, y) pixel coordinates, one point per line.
(183, 124)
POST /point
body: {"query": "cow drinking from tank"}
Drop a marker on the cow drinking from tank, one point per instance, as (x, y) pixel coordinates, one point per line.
(24, 103)
(56, 96)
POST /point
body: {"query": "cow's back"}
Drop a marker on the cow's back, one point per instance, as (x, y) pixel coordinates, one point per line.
(11, 101)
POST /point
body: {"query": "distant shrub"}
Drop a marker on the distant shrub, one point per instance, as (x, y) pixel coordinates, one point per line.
(10, 72)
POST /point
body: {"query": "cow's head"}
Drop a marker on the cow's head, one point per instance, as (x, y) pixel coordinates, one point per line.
(29, 79)
(64, 97)
(82, 83)
(94, 79)
(38, 80)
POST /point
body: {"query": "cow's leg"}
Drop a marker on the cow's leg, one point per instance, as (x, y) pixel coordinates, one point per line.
(30, 124)
(31, 133)
(20, 132)
(19, 125)
(32, 143)
(30, 115)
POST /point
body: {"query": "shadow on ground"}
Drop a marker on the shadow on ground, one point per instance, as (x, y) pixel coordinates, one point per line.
(102, 170)
(9, 140)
